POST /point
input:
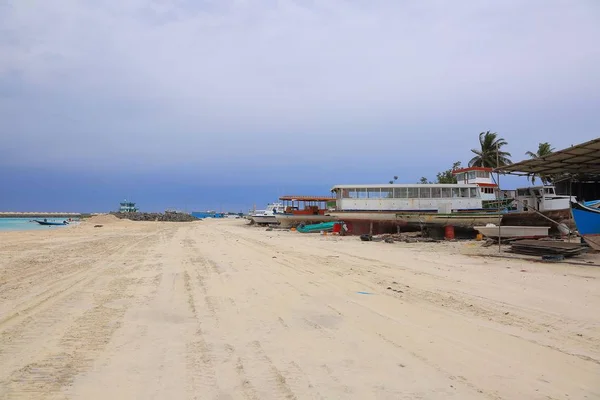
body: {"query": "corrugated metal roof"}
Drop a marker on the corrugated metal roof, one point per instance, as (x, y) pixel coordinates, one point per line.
(580, 159)
(404, 185)
(306, 198)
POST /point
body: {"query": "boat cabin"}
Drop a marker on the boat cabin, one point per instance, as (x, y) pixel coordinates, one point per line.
(442, 198)
(541, 198)
(307, 205)
(482, 177)
(272, 208)
(127, 207)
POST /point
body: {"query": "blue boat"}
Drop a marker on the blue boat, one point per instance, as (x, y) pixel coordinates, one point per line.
(46, 222)
(587, 220)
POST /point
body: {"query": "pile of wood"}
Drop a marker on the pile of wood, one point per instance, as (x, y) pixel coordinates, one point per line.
(547, 248)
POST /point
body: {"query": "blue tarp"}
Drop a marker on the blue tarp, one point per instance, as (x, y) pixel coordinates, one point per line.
(207, 214)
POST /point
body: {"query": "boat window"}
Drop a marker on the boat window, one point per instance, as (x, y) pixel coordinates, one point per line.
(549, 190)
(436, 193)
(374, 193)
(464, 192)
(455, 192)
(413, 192)
(483, 174)
(425, 193)
(361, 193)
(446, 192)
(474, 193)
(387, 193)
(351, 193)
(522, 192)
(401, 193)
(471, 174)
(460, 177)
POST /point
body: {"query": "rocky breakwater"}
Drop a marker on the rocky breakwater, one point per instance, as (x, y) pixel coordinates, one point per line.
(167, 217)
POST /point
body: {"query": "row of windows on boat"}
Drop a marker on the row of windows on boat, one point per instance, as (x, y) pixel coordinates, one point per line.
(408, 193)
(472, 175)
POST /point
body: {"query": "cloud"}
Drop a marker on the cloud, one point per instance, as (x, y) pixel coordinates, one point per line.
(100, 84)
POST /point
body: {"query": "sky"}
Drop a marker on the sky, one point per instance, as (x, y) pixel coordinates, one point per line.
(223, 104)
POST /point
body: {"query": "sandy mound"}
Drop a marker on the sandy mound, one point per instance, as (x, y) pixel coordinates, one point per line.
(103, 219)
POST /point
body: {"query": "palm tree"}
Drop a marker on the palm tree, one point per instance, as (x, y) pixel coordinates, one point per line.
(491, 154)
(543, 150)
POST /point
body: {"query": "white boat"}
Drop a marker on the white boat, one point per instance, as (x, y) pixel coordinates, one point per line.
(267, 216)
(493, 231)
(528, 206)
(414, 206)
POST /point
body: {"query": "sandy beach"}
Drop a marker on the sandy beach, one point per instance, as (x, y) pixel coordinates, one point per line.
(219, 310)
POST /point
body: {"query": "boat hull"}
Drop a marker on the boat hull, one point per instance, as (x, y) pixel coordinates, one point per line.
(534, 219)
(392, 221)
(293, 220)
(321, 227)
(264, 219)
(50, 223)
(513, 231)
(587, 221)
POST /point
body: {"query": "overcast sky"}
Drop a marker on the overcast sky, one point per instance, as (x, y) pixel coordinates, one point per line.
(285, 92)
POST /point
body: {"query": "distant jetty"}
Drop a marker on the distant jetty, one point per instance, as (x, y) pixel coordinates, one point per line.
(31, 214)
(167, 216)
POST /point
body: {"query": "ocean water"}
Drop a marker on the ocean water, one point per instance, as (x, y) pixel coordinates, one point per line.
(23, 224)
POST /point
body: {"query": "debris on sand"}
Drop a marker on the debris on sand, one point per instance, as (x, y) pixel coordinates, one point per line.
(409, 237)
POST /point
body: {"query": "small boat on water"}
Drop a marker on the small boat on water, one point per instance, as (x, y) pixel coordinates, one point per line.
(494, 231)
(587, 221)
(50, 223)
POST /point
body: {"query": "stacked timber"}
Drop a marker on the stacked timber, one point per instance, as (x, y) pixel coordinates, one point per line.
(547, 248)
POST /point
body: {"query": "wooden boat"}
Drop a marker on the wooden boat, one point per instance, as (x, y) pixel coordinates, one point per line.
(587, 221)
(415, 220)
(304, 210)
(527, 206)
(538, 206)
(44, 222)
(392, 207)
(513, 231)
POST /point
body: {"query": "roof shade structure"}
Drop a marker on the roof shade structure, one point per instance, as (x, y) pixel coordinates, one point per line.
(307, 198)
(582, 159)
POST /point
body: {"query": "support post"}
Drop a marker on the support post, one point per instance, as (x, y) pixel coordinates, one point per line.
(498, 198)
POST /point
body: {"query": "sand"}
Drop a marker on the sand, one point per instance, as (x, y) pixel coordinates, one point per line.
(218, 310)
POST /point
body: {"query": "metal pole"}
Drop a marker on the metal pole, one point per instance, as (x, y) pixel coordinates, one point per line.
(498, 198)
(570, 194)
